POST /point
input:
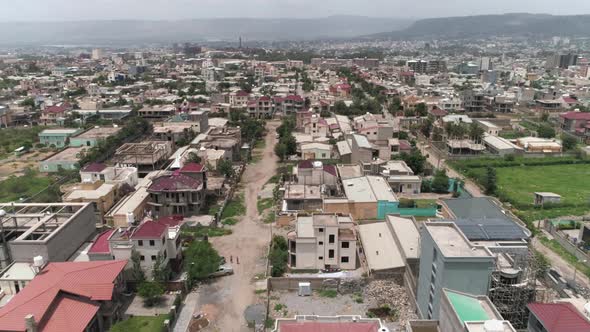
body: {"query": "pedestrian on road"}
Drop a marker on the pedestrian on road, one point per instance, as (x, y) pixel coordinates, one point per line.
(238, 259)
(231, 259)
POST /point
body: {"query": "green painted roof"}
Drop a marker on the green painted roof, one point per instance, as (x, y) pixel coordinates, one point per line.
(467, 308)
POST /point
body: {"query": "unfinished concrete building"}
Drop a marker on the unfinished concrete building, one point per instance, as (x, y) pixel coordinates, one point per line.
(52, 230)
(146, 156)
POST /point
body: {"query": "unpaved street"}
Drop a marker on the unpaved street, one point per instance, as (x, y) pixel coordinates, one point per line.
(225, 299)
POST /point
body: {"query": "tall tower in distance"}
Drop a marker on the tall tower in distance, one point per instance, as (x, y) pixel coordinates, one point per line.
(240, 42)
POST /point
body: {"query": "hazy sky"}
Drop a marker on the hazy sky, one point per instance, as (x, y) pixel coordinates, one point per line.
(59, 10)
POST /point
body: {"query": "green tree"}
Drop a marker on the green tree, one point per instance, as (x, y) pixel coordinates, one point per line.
(490, 181)
(161, 272)
(136, 270)
(426, 127)
(421, 109)
(568, 142)
(476, 132)
(281, 151)
(193, 158)
(546, 131)
(278, 255)
(440, 183)
(200, 260)
(225, 167)
(151, 291)
(395, 105)
(415, 160)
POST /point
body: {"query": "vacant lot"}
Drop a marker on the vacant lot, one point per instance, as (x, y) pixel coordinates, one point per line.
(518, 182)
(25, 186)
(13, 138)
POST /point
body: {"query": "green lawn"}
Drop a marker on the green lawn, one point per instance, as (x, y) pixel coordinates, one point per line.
(572, 182)
(235, 207)
(14, 187)
(263, 204)
(140, 324)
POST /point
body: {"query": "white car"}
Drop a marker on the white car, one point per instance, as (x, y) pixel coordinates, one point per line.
(223, 270)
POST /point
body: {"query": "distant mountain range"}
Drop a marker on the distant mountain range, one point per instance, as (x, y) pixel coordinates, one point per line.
(120, 32)
(493, 25)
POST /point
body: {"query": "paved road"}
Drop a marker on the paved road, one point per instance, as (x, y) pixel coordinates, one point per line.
(184, 318)
(225, 299)
(565, 268)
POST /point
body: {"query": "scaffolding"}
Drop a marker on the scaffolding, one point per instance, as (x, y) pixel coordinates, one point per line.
(514, 285)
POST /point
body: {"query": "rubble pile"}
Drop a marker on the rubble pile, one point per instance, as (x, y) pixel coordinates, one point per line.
(381, 292)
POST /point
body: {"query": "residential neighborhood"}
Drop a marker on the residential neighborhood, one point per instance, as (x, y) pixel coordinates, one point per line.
(383, 184)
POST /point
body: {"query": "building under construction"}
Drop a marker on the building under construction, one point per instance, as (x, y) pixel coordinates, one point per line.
(145, 156)
(513, 284)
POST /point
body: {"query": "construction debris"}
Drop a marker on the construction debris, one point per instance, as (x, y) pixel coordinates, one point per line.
(388, 292)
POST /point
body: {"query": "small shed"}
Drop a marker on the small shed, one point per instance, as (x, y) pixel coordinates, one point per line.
(304, 289)
(541, 198)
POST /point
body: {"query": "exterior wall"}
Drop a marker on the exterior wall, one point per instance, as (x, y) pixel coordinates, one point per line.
(76, 142)
(448, 319)
(54, 166)
(188, 203)
(59, 141)
(315, 154)
(62, 243)
(384, 208)
(306, 253)
(9, 286)
(147, 251)
(469, 275)
(357, 210)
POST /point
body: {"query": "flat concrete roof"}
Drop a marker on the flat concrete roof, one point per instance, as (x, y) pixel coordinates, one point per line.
(381, 188)
(451, 242)
(68, 154)
(61, 131)
(379, 247)
(300, 191)
(305, 226)
(102, 132)
(97, 193)
(408, 235)
(18, 271)
(349, 171)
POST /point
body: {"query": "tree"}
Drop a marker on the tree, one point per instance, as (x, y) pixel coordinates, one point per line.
(568, 142)
(193, 158)
(546, 131)
(490, 181)
(426, 127)
(151, 291)
(395, 105)
(161, 272)
(225, 167)
(278, 255)
(200, 260)
(476, 132)
(28, 102)
(544, 116)
(281, 151)
(440, 183)
(136, 270)
(415, 160)
(421, 109)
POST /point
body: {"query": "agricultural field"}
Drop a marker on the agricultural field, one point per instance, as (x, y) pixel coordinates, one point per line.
(518, 180)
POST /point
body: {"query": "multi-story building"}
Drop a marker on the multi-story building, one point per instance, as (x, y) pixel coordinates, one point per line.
(449, 260)
(239, 98)
(418, 66)
(323, 241)
(157, 112)
(179, 193)
(51, 230)
(58, 138)
(473, 100)
(260, 108)
(577, 123)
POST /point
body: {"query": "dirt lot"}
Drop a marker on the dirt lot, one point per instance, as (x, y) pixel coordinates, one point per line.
(373, 295)
(15, 165)
(225, 299)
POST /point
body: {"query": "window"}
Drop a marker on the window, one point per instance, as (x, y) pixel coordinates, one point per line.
(331, 253)
(140, 243)
(321, 243)
(321, 230)
(345, 245)
(142, 258)
(152, 243)
(344, 259)
(153, 258)
(331, 238)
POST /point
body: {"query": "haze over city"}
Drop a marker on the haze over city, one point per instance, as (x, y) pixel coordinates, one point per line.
(66, 10)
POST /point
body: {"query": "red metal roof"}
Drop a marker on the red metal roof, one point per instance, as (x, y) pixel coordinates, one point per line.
(242, 93)
(149, 230)
(570, 100)
(576, 115)
(81, 281)
(69, 313)
(101, 244)
(295, 98)
(559, 317)
(55, 109)
(191, 168)
(328, 327)
(173, 220)
(175, 182)
(438, 112)
(94, 167)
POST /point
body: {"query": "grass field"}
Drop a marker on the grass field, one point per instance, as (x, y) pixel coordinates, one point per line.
(140, 323)
(13, 138)
(28, 185)
(572, 182)
(518, 182)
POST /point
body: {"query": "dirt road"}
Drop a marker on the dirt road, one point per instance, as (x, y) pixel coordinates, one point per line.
(473, 189)
(565, 268)
(225, 299)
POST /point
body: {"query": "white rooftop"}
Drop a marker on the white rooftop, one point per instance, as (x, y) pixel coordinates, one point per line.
(379, 247)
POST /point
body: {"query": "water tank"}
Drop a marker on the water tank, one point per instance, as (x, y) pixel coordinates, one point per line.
(317, 164)
(38, 261)
(493, 326)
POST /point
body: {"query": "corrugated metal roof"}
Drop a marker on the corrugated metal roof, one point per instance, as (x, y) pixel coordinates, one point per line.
(559, 317)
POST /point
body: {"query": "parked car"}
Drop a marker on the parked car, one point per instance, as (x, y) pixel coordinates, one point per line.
(223, 270)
